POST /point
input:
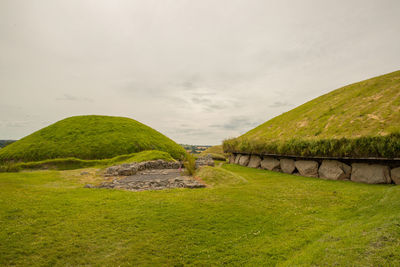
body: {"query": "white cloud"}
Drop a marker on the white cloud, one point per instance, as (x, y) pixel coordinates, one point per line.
(195, 63)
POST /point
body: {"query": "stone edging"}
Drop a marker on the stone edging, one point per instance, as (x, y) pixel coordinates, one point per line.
(357, 170)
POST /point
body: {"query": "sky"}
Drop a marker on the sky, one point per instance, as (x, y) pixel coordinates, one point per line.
(197, 71)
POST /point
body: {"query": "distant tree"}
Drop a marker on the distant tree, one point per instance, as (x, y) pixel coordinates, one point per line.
(4, 143)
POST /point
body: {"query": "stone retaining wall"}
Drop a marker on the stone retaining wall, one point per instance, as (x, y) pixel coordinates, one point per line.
(364, 171)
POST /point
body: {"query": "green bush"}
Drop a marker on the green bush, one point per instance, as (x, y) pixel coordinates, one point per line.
(190, 165)
(9, 167)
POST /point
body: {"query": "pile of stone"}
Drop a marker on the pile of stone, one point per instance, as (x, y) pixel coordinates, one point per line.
(205, 161)
(326, 169)
(133, 183)
(148, 175)
(132, 168)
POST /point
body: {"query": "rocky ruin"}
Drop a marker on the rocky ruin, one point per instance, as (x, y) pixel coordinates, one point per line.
(205, 161)
(156, 179)
(364, 171)
(150, 175)
(132, 168)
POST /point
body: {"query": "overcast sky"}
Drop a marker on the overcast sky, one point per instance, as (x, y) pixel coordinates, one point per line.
(198, 71)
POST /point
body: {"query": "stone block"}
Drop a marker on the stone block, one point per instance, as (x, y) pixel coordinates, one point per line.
(270, 164)
(334, 170)
(287, 165)
(370, 173)
(254, 162)
(307, 168)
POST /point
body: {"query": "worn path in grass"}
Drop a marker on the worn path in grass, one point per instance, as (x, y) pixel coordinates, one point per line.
(47, 218)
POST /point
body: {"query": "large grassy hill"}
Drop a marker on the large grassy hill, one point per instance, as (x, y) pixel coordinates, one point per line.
(346, 121)
(89, 137)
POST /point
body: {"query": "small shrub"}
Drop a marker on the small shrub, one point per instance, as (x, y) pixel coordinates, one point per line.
(190, 165)
(9, 167)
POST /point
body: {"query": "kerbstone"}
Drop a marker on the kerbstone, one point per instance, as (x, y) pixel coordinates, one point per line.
(232, 158)
(370, 173)
(395, 174)
(244, 160)
(334, 170)
(254, 162)
(237, 158)
(270, 164)
(287, 165)
(307, 168)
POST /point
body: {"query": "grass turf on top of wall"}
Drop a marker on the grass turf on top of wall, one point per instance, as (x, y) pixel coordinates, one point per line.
(90, 137)
(358, 120)
(363, 147)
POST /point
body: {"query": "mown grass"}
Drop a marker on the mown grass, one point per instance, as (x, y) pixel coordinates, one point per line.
(89, 137)
(47, 218)
(361, 119)
(74, 163)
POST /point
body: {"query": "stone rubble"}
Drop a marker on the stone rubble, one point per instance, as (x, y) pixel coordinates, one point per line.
(205, 161)
(155, 181)
(128, 169)
(150, 175)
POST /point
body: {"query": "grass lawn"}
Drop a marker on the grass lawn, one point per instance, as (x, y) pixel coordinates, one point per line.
(265, 218)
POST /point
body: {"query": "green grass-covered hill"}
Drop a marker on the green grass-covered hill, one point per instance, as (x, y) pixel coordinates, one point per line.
(89, 137)
(217, 152)
(361, 119)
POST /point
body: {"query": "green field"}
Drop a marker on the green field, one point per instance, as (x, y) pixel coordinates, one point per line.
(89, 137)
(254, 218)
(361, 119)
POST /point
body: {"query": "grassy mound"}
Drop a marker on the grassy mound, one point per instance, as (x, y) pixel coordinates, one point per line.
(74, 163)
(217, 176)
(89, 137)
(217, 152)
(362, 119)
